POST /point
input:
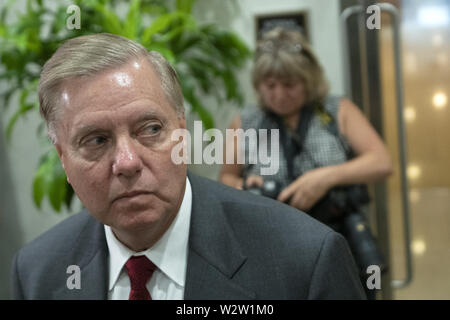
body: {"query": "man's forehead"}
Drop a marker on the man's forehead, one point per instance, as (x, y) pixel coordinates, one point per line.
(133, 74)
(117, 98)
(112, 88)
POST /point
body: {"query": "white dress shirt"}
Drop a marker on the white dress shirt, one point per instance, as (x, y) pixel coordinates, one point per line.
(169, 254)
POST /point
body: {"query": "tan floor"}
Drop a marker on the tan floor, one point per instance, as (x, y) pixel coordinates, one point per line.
(430, 244)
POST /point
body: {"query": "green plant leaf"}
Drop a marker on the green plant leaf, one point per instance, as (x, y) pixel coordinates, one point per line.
(197, 106)
(203, 73)
(6, 96)
(187, 41)
(42, 178)
(205, 57)
(110, 21)
(162, 23)
(176, 32)
(185, 5)
(39, 186)
(50, 179)
(158, 25)
(23, 109)
(57, 188)
(69, 196)
(133, 20)
(59, 20)
(230, 85)
(204, 114)
(5, 10)
(166, 52)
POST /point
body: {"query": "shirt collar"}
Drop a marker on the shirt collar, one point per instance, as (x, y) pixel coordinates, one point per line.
(169, 254)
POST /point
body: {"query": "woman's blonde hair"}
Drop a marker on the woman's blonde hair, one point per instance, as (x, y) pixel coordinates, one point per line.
(285, 54)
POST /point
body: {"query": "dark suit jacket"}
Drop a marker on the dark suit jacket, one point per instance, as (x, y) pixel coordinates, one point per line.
(241, 246)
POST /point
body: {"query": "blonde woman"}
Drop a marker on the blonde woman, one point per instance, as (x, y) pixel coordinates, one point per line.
(328, 150)
(290, 84)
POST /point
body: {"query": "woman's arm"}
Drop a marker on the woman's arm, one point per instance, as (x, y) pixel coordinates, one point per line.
(231, 174)
(372, 161)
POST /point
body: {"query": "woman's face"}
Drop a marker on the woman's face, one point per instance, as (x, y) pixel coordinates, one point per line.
(283, 97)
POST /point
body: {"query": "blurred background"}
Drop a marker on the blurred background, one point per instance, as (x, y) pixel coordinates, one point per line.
(399, 74)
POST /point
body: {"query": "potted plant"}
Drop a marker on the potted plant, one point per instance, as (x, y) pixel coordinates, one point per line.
(204, 56)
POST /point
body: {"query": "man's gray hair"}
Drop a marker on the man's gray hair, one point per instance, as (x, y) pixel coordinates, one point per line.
(89, 55)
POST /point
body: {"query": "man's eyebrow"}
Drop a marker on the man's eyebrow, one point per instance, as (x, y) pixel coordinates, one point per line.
(150, 114)
(83, 129)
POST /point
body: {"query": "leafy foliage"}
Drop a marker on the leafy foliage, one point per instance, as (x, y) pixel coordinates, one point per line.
(204, 56)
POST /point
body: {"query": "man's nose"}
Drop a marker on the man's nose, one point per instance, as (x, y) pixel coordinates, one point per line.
(127, 161)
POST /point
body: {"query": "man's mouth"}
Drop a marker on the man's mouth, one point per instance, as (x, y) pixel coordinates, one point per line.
(130, 195)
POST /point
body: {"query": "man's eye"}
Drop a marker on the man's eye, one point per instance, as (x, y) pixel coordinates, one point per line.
(151, 130)
(95, 141)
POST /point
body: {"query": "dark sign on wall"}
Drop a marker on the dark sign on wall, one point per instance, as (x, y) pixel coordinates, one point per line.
(292, 20)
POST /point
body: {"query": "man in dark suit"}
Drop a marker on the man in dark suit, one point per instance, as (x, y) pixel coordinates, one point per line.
(151, 230)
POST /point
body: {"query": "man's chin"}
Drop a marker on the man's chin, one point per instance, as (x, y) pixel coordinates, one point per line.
(141, 230)
(137, 219)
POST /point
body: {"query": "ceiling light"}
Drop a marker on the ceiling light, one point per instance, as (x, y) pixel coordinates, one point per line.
(433, 16)
(418, 247)
(410, 114)
(414, 172)
(439, 100)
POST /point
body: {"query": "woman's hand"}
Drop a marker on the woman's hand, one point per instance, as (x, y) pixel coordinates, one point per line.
(253, 181)
(307, 189)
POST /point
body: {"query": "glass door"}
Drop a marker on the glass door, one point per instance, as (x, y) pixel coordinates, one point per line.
(425, 53)
(400, 75)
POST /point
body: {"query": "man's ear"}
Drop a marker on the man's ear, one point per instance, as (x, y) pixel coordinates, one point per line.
(61, 158)
(182, 122)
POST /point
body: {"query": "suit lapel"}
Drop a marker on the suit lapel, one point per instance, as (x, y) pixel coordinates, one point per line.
(214, 255)
(91, 255)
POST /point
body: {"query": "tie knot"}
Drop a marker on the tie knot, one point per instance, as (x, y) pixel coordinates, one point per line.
(140, 269)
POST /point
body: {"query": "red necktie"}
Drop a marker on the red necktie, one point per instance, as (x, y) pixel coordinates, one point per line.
(140, 270)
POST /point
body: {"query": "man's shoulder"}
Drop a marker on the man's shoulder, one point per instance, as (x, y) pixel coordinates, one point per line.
(40, 267)
(261, 212)
(59, 239)
(283, 247)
